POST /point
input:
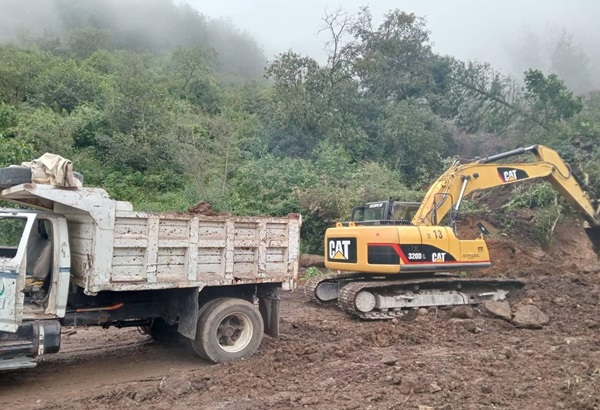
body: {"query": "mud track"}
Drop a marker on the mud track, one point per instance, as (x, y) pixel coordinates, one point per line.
(90, 360)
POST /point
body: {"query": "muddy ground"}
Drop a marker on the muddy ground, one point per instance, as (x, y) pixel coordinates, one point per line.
(327, 360)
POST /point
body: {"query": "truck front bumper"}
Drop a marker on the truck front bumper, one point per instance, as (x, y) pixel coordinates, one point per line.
(33, 339)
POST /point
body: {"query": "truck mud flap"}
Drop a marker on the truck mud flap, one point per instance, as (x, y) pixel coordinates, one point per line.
(185, 304)
(268, 306)
(594, 234)
(269, 310)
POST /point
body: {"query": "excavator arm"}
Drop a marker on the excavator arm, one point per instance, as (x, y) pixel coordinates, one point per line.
(446, 194)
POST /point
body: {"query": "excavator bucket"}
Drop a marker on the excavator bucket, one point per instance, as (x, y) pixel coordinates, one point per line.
(593, 232)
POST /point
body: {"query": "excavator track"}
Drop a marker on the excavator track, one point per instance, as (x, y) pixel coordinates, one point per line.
(389, 299)
(324, 289)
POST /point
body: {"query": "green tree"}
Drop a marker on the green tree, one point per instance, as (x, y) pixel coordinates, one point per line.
(342, 184)
(194, 76)
(550, 99)
(13, 151)
(189, 63)
(18, 72)
(84, 41)
(298, 105)
(484, 99)
(412, 139)
(66, 85)
(391, 60)
(46, 130)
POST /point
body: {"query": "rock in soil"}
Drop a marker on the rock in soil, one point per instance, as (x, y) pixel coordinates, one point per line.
(592, 268)
(499, 309)
(175, 385)
(530, 316)
(435, 388)
(389, 360)
(463, 312)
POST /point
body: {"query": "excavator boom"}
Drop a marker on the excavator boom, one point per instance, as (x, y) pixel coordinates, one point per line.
(447, 192)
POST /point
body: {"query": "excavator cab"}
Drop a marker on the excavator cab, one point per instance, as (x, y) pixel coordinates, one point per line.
(388, 212)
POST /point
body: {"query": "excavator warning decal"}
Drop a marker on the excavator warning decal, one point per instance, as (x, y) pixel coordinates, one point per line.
(341, 250)
(425, 254)
(391, 254)
(511, 174)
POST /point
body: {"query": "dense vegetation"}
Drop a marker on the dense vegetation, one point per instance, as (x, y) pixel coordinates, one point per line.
(167, 120)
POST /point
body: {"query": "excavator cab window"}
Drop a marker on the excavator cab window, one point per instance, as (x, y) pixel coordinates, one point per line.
(372, 211)
(404, 210)
(385, 212)
(375, 211)
(358, 214)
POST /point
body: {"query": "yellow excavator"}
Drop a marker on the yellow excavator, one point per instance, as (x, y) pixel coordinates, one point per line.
(405, 255)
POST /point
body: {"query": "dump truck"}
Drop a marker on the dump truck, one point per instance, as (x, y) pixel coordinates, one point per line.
(76, 257)
(405, 255)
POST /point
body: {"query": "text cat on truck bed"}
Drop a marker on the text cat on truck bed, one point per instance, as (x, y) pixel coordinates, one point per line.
(82, 258)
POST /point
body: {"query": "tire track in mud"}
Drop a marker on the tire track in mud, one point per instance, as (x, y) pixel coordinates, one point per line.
(92, 360)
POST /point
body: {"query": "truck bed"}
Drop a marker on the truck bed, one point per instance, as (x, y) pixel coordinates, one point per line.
(115, 248)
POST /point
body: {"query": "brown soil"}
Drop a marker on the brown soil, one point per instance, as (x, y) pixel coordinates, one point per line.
(327, 360)
(204, 208)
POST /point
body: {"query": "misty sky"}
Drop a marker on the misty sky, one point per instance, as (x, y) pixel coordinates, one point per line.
(468, 29)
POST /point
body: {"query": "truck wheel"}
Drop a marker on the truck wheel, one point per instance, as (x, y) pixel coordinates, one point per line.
(16, 175)
(228, 329)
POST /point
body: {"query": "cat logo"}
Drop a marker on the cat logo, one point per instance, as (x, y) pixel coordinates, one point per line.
(511, 174)
(342, 250)
(438, 257)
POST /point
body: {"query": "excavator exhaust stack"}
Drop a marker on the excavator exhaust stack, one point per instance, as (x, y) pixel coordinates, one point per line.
(593, 232)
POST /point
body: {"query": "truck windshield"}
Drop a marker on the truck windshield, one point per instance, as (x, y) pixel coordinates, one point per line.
(11, 231)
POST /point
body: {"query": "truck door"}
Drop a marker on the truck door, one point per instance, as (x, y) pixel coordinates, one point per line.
(14, 233)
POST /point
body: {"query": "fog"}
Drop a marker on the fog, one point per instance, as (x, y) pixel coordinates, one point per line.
(513, 35)
(487, 31)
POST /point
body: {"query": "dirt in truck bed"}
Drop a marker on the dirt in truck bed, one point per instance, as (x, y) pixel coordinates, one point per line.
(328, 360)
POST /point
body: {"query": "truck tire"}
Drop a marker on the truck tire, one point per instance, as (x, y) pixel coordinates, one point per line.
(16, 175)
(228, 329)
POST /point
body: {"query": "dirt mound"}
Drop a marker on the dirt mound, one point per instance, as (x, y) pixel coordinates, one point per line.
(518, 254)
(204, 208)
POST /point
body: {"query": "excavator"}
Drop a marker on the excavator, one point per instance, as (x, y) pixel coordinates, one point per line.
(395, 256)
